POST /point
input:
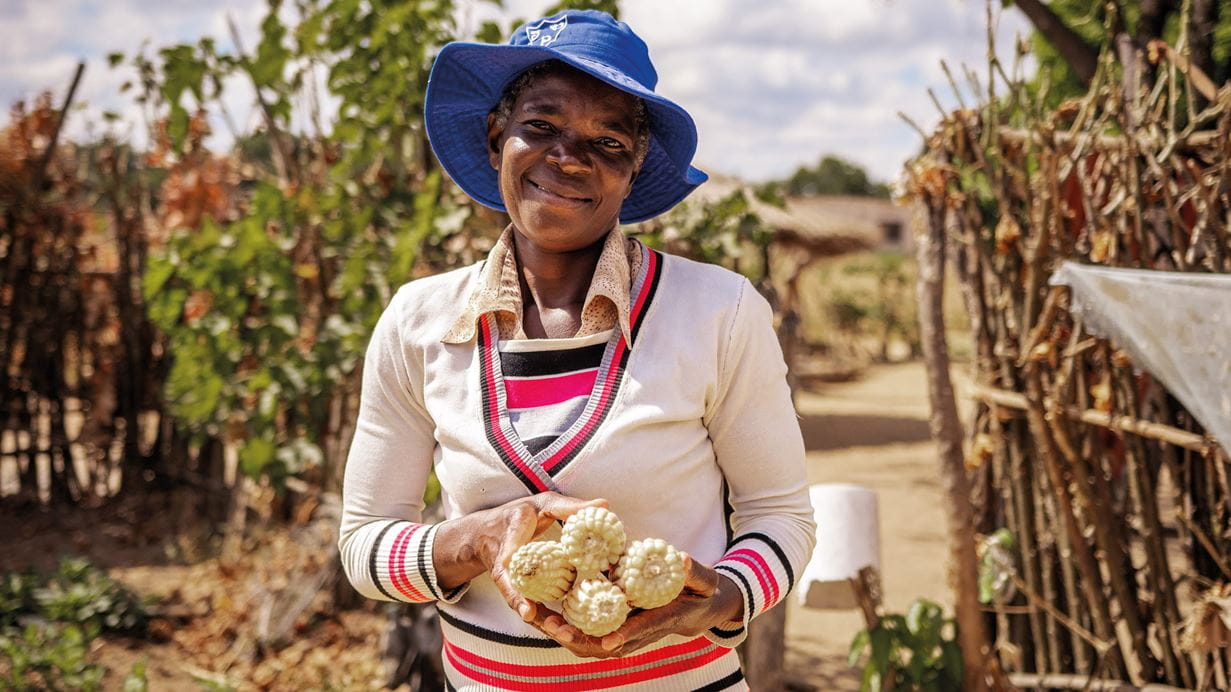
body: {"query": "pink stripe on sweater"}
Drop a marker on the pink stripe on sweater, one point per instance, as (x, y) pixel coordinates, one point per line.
(603, 394)
(769, 585)
(397, 564)
(544, 391)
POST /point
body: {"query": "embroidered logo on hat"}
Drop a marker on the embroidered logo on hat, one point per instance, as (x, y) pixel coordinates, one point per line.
(545, 32)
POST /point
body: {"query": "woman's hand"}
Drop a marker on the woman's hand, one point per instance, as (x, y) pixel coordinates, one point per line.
(708, 600)
(485, 541)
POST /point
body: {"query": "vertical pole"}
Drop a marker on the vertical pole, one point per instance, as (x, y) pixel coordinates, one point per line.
(947, 431)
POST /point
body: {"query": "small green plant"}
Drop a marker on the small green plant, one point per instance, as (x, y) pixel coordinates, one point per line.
(136, 680)
(80, 593)
(916, 651)
(48, 621)
(16, 597)
(48, 657)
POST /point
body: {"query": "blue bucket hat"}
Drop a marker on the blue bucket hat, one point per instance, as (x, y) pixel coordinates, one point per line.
(468, 79)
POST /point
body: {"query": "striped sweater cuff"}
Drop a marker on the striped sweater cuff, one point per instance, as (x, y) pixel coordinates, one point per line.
(761, 571)
(400, 564)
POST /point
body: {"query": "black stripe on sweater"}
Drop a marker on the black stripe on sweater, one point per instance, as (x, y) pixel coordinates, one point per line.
(498, 637)
(639, 318)
(773, 545)
(724, 683)
(372, 562)
(539, 363)
(747, 587)
(538, 444)
(423, 558)
(727, 633)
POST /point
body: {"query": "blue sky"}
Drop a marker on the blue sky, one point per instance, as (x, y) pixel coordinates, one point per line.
(771, 84)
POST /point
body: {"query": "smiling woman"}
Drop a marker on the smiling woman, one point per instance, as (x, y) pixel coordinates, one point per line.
(566, 156)
(574, 368)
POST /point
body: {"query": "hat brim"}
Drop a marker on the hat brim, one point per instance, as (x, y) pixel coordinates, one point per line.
(468, 79)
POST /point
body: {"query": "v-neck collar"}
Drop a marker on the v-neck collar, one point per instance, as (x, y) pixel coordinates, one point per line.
(538, 471)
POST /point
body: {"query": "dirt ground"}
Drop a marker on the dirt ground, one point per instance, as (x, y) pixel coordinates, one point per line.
(872, 432)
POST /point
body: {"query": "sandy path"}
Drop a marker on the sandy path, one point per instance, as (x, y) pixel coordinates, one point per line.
(873, 433)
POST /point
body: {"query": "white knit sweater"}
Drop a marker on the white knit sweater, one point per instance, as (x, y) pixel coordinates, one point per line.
(689, 434)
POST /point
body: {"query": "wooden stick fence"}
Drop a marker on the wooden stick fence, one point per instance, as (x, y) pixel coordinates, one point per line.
(1120, 504)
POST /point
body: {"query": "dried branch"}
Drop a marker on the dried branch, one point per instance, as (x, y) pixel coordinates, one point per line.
(1147, 429)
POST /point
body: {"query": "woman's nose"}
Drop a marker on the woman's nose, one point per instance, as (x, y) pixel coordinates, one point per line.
(569, 155)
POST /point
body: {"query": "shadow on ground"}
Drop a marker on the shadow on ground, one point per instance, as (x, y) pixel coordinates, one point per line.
(838, 430)
(806, 672)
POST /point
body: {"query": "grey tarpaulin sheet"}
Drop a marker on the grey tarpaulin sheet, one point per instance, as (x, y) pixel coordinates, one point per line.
(1174, 325)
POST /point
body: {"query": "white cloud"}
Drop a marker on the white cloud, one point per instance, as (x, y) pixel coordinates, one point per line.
(775, 85)
(772, 85)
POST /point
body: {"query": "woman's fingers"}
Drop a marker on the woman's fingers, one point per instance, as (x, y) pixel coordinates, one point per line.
(524, 607)
(698, 578)
(557, 507)
(554, 625)
(643, 627)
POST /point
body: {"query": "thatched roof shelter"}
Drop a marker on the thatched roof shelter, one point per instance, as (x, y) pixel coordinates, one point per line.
(807, 223)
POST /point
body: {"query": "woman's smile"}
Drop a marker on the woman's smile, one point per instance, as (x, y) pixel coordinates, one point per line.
(552, 194)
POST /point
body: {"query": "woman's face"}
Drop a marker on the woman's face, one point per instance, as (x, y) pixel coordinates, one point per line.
(566, 159)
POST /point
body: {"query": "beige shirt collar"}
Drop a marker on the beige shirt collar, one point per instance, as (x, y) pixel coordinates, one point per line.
(498, 290)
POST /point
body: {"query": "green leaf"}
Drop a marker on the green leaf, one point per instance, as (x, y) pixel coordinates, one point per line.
(177, 125)
(871, 680)
(286, 323)
(951, 661)
(489, 32)
(858, 645)
(922, 614)
(114, 59)
(255, 455)
(158, 269)
(882, 648)
(166, 306)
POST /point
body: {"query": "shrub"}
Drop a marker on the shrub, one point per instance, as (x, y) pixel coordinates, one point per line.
(917, 651)
(80, 593)
(48, 656)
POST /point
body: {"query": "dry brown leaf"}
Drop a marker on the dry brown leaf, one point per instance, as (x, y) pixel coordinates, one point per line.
(1101, 394)
(1007, 234)
(982, 447)
(1208, 625)
(197, 305)
(1101, 245)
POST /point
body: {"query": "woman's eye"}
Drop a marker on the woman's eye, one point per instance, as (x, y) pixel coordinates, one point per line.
(540, 125)
(611, 143)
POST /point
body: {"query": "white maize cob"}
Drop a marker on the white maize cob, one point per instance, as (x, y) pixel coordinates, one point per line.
(540, 571)
(651, 573)
(595, 606)
(593, 540)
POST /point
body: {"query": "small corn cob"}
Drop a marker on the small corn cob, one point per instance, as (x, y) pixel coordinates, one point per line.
(596, 606)
(593, 540)
(651, 573)
(540, 571)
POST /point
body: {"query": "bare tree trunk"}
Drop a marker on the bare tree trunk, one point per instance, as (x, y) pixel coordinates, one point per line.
(946, 430)
(764, 650)
(1081, 57)
(1152, 19)
(1201, 23)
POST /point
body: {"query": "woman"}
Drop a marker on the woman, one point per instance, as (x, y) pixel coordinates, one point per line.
(574, 367)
